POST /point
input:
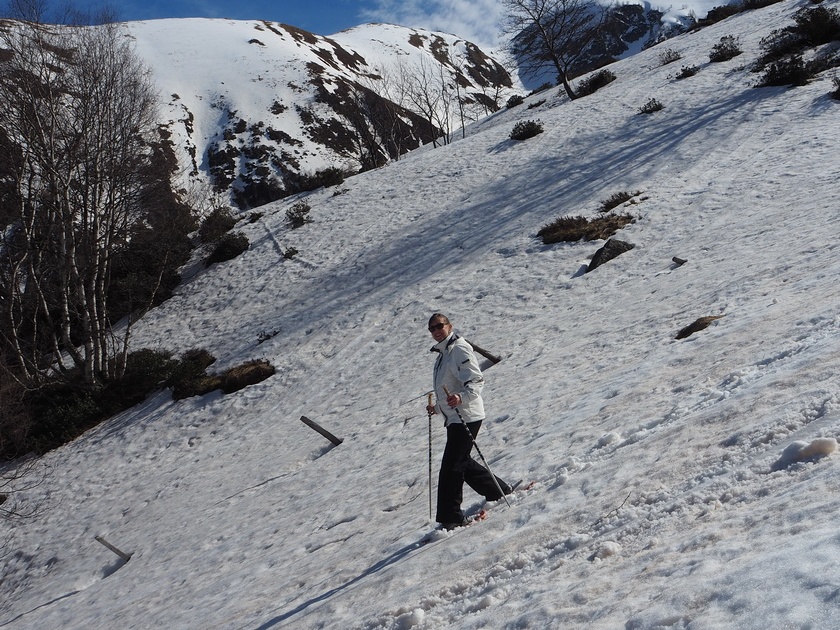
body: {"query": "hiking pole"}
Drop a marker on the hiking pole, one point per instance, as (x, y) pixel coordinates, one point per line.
(478, 450)
(429, 412)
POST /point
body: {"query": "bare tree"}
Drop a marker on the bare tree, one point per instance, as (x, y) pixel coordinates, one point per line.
(552, 33)
(386, 115)
(431, 95)
(28, 10)
(40, 12)
(15, 480)
(79, 107)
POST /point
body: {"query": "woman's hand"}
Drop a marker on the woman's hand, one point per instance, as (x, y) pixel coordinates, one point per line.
(453, 400)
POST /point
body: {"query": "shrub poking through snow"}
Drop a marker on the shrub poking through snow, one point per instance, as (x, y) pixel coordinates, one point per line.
(616, 199)
(514, 100)
(525, 129)
(687, 71)
(727, 48)
(669, 55)
(298, 215)
(190, 378)
(228, 248)
(218, 223)
(330, 176)
(782, 60)
(61, 411)
(573, 229)
(249, 373)
(790, 71)
(595, 82)
(818, 25)
(651, 106)
(720, 13)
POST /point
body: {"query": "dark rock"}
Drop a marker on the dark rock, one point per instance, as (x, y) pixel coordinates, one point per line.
(610, 250)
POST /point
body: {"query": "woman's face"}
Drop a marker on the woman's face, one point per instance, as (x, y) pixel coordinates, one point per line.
(440, 329)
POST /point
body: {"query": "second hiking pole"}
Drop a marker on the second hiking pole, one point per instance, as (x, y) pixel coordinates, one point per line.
(429, 411)
(478, 450)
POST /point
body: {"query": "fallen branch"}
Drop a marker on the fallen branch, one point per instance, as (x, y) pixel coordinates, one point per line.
(610, 513)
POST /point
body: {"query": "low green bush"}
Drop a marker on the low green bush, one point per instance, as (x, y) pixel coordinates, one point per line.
(188, 376)
(727, 48)
(218, 223)
(788, 71)
(669, 55)
(39, 420)
(651, 106)
(687, 71)
(717, 14)
(63, 409)
(595, 82)
(818, 25)
(229, 247)
(525, 129)
(298, 215)
(782, 59)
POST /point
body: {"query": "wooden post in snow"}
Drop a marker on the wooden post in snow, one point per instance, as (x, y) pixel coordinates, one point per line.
(492, 358)
(321, 430)
(125, 556)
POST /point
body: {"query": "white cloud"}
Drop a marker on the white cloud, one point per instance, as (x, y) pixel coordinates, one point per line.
(474, 20)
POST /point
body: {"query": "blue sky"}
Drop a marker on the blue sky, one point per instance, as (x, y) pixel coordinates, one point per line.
(321, 17)
(475, 20)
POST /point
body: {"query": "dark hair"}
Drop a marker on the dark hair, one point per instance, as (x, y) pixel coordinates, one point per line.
(441, 317)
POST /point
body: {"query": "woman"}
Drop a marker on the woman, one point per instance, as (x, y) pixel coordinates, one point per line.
(458, 382)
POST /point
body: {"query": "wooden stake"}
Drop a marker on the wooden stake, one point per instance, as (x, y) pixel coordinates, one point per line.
(321, 430)
(492, 358)
(125, 556)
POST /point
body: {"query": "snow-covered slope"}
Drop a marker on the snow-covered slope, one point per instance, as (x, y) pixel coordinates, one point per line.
(250, 104)
(660, 500)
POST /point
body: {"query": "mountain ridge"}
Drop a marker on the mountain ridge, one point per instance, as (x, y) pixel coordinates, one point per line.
(290, 103)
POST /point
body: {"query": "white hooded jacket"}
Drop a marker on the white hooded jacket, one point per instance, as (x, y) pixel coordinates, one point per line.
(456, 368)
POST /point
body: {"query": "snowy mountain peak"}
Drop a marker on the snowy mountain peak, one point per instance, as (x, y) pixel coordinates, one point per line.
(253, 106)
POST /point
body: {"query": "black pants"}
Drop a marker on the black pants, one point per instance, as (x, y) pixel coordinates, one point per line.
(458, 467)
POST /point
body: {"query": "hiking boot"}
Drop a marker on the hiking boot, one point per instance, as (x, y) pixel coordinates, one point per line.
(451, 526)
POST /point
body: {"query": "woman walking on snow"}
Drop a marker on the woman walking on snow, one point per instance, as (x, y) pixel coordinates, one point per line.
(456, 372)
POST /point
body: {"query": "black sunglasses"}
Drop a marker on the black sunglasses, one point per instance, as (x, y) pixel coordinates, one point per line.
(438, 326)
